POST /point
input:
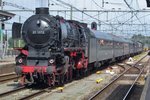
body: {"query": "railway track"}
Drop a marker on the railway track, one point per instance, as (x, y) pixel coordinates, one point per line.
(8, 77)
(12, 91)
(28, 95)
(35, 94)
(45, 90)
(108, 93)
(133, 86)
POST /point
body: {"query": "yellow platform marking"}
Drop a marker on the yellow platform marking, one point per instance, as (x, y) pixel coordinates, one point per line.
(60, 88)
(98, 72)
(99, 80)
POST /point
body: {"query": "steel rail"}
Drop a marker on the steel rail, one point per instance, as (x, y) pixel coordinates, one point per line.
(9, 74)
(35, 94)
(12, 91)
(130, 89)
(101, 90)
(8, 77)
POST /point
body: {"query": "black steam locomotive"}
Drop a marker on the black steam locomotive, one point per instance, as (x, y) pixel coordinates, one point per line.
(57, 49)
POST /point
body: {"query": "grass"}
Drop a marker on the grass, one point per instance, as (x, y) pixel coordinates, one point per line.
(137, 57)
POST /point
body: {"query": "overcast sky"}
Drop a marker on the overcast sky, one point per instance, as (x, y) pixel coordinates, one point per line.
(89, 5)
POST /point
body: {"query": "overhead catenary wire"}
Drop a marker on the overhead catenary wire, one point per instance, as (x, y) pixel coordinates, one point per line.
(102, 22)
(133, 12)
(97, 4)
(59, 4)
(15, 5)
(118, 16)
(84, 13)
(126, 21)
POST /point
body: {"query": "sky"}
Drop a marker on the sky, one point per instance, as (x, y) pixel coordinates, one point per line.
(108, 22)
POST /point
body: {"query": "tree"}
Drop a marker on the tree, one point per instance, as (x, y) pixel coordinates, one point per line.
(10, 42)
(141, 38)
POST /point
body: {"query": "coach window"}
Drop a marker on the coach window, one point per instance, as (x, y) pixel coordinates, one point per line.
(106, 44)
(121, 45)
(109, 44)
(126, 45)
(116, 44)
(101, 42)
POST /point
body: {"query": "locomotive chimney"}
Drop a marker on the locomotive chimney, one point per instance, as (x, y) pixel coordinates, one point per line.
(42, 10)
(94, 26)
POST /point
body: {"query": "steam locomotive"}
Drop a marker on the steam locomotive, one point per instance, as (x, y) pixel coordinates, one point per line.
(57, 49)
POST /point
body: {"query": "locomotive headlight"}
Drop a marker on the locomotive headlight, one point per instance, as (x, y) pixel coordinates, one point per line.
(51, 61)
(20, 60)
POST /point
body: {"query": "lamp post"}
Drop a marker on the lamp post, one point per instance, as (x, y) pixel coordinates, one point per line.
(1, 34)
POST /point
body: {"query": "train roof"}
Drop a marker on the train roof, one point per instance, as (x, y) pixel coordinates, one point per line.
(111, 37)
(108, 36)
(127, 40)
(102, 35)
(117, 38)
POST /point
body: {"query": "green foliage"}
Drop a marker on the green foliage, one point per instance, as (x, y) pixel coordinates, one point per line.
(18, 43)
(1, 34)
(10, 42)
(141, 38)
(15, 43)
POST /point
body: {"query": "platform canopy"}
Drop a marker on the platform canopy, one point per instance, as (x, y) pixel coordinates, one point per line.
(4, 15)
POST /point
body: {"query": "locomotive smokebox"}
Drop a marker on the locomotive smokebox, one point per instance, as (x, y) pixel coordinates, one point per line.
(42, 10)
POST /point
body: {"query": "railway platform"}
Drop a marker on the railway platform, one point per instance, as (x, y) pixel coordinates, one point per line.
(146, 91)
(7, 60)
(7, 65)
